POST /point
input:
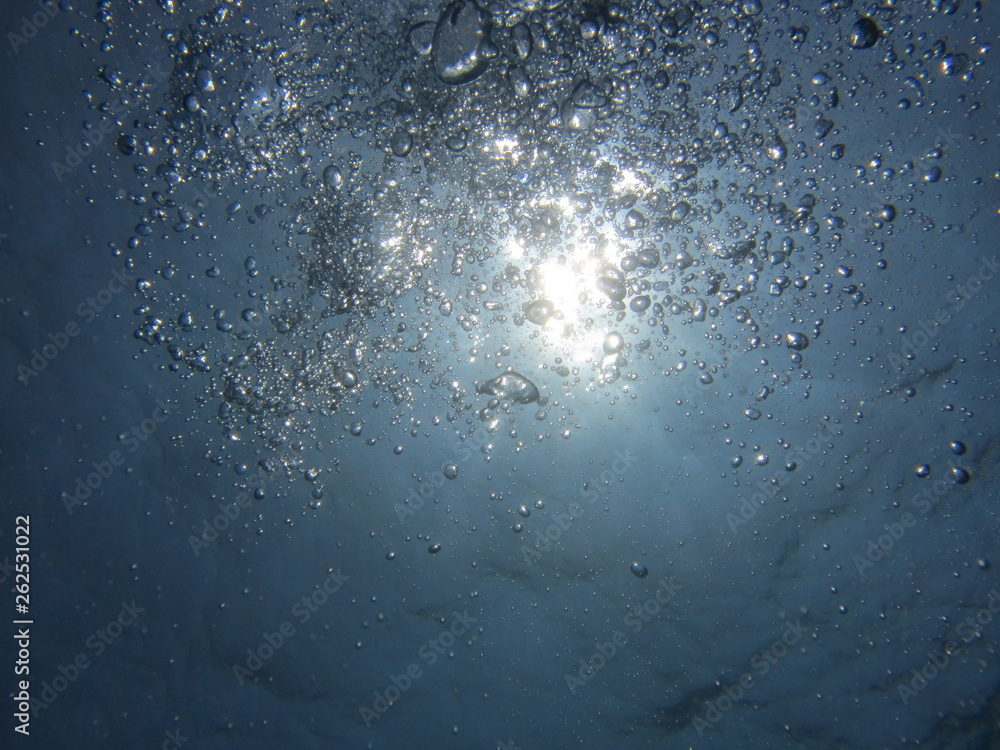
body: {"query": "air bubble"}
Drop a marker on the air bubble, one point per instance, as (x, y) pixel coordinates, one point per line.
(639, 570)
(864, 34)
(796, 341)
(401, 143)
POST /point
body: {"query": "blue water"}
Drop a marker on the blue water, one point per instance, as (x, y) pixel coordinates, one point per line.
(270, 483)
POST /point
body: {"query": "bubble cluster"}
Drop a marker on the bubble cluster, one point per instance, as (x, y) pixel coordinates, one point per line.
(491, 207)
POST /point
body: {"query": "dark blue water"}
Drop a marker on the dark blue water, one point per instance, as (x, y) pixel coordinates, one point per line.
(530, 374)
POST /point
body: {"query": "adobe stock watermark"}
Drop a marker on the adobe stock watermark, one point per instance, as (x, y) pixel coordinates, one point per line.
(760, 664)
(96, 644)
(880, 548)
(31, 25)
(425, 492)
(563, 520)
(956, 300)
(173, 740)
(938, 660)
(302, 611)
(429, 653)
(212, 528)
(768, 489)
(951, 138)
(139, 433)
(92, 137)
(87, 311)
(637, 618)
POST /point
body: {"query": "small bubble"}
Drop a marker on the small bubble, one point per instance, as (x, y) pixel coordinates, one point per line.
(864, 34)
(639, 570)
(796, 341)
(332, 177)
(401, 143)
(613, 343)
(640, 304)
(456, 142)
